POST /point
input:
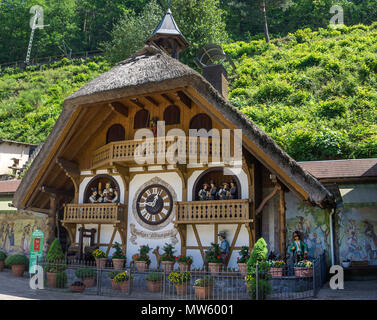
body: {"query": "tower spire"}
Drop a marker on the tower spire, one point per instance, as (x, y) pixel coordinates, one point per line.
(168, 37)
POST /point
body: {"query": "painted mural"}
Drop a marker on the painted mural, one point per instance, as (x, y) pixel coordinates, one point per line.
(16, 230)
(313, 224)
(357, 234)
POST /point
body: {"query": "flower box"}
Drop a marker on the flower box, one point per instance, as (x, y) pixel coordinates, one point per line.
(242, 268)
(184, 266)
(89, 282)
(2, 264)
(276, 272)
(75, 288)
(101, 262)
(181, 288)
(114, 285)
(203, 292)
(154, 286)
(214, 268)
(141, 266)
(51, 279)
(118, 263)
(303, 272)
(168, 266)
(18, 270)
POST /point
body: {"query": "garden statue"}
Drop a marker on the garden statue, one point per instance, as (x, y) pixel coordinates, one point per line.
(203, 192)
(109, 194)
(213, 191)
(224, 246)
(224, 192)
(299, 247)
(233, 190)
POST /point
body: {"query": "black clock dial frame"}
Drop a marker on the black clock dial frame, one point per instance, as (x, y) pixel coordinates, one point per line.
(150, 205)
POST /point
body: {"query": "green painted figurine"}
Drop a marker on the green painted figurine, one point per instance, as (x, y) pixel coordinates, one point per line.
(299, 248)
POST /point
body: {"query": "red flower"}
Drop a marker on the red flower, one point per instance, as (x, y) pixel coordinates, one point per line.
(218, 257)
(176, 258)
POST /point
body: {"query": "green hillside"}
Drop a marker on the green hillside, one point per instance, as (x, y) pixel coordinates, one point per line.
(315, 93)
(31, 101)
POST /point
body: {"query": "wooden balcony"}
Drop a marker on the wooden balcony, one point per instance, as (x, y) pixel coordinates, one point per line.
(213, 211)
(101, 213)
(126, 151)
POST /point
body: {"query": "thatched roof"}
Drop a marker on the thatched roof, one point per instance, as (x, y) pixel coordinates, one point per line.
(151, 70)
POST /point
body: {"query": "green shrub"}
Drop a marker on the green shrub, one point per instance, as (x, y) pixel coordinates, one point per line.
(55, 258)
(244, 255)
(17, 259)
(3, 256)
(61, 280)
(85, 273)
(168, 254)
(118, 254)
(264, 288)
(213, 254)
(331, 109)
(143, 255)
(154, 276)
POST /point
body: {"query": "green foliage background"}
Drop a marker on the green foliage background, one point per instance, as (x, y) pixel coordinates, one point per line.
(313, 92)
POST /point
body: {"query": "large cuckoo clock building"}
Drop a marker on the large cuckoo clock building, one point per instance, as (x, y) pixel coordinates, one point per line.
(106, 166)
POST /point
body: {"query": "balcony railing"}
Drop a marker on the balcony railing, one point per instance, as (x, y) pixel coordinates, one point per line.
(216, 211)
(128, 151)
(94, 213)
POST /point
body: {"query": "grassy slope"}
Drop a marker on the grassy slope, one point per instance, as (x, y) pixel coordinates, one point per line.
(31, 101)
(315, 93)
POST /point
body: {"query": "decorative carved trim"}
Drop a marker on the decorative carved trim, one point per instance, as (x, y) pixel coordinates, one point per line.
(172, 234)
(155, 180)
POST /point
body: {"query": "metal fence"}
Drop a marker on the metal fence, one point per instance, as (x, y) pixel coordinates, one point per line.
(274, 283)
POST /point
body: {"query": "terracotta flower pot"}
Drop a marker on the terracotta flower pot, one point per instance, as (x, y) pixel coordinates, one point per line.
(276, 272)
(125, 286)
(154, 286)
(214, 268)
(183, 266)
(203, 292)
(89, 282)
(303, 272)
(18, 270)
(242, 268)
(141, 266)
(114, 286)
(118, 263)
(101, 263)
(2, 265)
(168, 266)
(181, 288)
(51, 279)
(77, 288)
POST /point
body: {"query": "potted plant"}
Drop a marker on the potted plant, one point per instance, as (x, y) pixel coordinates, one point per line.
(87, 276)
(18, 262)
(203, 287)
(100, 257)
(180, 279)
(154, 281)
(213, 259)
(77, 286)
(118, 257)
(276, 268)
(143, 261)
(124, 281)
(55, 265)
(3, 256)
(112, 275)
(168, 258)
(304, 268)
(242, 259)
(184, 263)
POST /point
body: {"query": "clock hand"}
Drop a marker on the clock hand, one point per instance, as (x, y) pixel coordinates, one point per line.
(155, 200)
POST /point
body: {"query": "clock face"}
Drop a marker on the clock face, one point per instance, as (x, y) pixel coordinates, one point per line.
(154, 204)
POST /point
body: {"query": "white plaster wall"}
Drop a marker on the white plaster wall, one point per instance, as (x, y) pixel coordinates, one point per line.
(9, 151)
(206, 235)
(171, 178)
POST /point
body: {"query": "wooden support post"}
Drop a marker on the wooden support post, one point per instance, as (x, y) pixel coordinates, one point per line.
(233, 243)
(282, 223)
(111, 240)
(51, 220)
(198, 241)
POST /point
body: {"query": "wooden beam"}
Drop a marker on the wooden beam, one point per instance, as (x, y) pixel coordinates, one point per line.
(136, 102)
(119, 107)
(185, 99)
(167, 98)
(71, 168)
(198, 241)
(265, 200)
(38, 210)
(152, 100)
(282, 224)
(55, 191)
(233, 243)
(111, 240)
